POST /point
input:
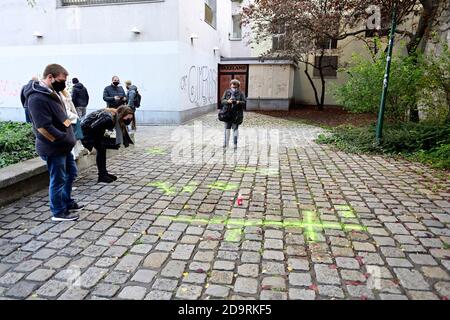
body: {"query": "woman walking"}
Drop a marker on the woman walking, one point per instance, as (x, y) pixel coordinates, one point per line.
(232, 113)
(94, 128)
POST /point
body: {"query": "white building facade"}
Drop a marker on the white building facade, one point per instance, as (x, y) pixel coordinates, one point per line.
(170, 49)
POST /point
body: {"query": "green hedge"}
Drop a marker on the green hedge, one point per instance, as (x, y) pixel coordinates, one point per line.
(422, 142)
(16, 143)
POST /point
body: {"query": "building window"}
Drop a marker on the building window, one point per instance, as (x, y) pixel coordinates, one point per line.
(66, 3)
(237, 27)
(327, 44)
(329, 64)
(278, 39)
(210, 12)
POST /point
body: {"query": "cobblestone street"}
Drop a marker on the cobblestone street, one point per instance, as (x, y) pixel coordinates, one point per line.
(314, 223)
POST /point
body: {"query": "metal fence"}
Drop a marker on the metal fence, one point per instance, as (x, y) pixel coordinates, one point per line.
(65, 3)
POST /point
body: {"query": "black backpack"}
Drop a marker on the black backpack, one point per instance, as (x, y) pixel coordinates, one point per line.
(137, 100)
(225, 114)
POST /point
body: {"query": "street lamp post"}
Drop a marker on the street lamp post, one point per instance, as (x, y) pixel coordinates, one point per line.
(379, 133)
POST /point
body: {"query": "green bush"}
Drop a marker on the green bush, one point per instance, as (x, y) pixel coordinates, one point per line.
(415, 80)
(16, 143)
(423, 142)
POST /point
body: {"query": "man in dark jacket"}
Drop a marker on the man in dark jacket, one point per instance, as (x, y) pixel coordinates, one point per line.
(24, 100)
(114, 95)
(54, 139)
(80, 98)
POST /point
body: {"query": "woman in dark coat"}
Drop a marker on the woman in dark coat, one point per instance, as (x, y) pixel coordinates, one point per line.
(234, 102)
(94, 128)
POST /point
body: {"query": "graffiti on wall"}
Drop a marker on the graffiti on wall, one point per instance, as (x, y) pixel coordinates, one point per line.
(9, 88)
(200, 84)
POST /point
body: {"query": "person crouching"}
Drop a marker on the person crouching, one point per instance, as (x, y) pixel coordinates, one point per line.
(94, 128)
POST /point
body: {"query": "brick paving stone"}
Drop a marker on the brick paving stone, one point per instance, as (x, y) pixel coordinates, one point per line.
(129, 263)
(117, 277)
(183, 252)
(189, 292)
(325, 274)
(40, 275)
(411, 279)
(11, 278)
(21, 290)
(347, 263)
(331, 291)
(144, 276)
(248, 270)
(165, 284)
(158, 295)
(301, 294)
(443, 288)
(246, 285)
(132, 293)
(224, 265)
(106, 290)
(300, 279)
(51, 289)
(173, 269)
(221, 277)
(217, 291)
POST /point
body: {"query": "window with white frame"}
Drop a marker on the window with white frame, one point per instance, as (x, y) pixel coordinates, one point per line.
(237, 27)
(211, 12)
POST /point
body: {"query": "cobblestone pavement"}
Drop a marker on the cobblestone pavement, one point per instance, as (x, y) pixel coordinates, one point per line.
(314, 223)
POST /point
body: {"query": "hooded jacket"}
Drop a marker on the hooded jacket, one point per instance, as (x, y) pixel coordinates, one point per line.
(80, 96)
(54, 134)
(131, 96)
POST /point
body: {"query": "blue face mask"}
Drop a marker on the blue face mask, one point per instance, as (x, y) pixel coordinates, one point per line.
(233, 89)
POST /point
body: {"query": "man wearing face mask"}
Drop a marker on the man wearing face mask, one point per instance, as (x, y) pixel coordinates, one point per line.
(54, 139)
(114, 94)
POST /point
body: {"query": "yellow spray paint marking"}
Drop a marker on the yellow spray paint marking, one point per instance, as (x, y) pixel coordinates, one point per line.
(190, 187)
(309, 228)
(233, 235)
(156, 151)
(346, 211)
(224, 186)
(309, 223)
(164, 187)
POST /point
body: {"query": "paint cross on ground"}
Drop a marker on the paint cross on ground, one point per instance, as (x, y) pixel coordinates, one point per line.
(170, 190)
(156, 151)
(224, 186)
(311, 225)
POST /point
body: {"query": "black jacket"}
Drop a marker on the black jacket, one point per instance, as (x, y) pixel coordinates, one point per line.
(80, 96)
(237, 110)
(94, 127)
(110, 92)
(22, 93)
(48, 114)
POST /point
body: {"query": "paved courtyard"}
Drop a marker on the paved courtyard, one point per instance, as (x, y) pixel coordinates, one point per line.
(314, 223)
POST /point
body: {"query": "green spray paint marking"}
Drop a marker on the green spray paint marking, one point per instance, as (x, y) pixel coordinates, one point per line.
(164, 187)
(346, 211)
(190, 187)
(310, 223)
(156, 151)
(233, 235)
(309, 230)
(224, 186)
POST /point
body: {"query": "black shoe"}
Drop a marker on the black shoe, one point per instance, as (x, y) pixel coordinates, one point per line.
(65, 217)
(112, 176)
(105, 179)
(76, 206)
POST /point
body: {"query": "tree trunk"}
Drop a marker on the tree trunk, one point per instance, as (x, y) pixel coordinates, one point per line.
(322, 97)
(316, 94)
(420, 38)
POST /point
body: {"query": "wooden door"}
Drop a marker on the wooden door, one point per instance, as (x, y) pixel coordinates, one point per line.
(228, 72)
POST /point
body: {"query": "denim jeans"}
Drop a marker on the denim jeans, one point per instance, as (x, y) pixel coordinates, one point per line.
(63, 171)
